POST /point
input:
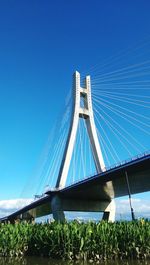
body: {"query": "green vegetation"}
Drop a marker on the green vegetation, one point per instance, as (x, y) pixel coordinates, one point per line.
(74, 240)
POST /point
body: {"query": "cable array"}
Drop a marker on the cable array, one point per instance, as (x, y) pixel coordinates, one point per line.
(121, 103)
(46, 172)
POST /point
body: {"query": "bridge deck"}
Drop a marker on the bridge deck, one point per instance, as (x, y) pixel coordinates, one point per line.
(103, 186)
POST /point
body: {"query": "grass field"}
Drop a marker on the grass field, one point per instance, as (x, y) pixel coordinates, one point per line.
(74, 240)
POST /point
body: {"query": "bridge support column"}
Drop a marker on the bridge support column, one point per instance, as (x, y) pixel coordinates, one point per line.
(109, 212)
(57, 210)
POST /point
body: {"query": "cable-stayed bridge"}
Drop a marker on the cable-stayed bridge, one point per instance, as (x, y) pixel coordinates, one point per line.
(98, 150)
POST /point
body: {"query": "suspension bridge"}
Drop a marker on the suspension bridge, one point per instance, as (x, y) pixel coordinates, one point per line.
(80, 165)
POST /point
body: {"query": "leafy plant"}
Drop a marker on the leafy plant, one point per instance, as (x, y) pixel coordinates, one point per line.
(74, 240)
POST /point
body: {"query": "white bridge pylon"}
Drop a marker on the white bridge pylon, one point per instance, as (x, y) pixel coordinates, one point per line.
(81, 109)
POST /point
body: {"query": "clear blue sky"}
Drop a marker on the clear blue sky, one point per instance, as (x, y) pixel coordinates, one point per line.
(41, 44)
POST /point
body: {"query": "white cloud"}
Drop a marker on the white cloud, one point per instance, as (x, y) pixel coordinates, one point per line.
(141, 207)
(9, 206)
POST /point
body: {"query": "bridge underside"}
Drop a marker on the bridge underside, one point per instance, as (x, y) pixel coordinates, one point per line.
(92, 194)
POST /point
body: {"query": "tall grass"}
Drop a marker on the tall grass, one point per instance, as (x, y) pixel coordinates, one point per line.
(74, 240)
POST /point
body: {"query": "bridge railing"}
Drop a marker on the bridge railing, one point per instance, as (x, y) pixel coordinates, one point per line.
(126, 161)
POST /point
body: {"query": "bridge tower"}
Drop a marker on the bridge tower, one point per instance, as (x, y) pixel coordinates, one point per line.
(81, 109)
